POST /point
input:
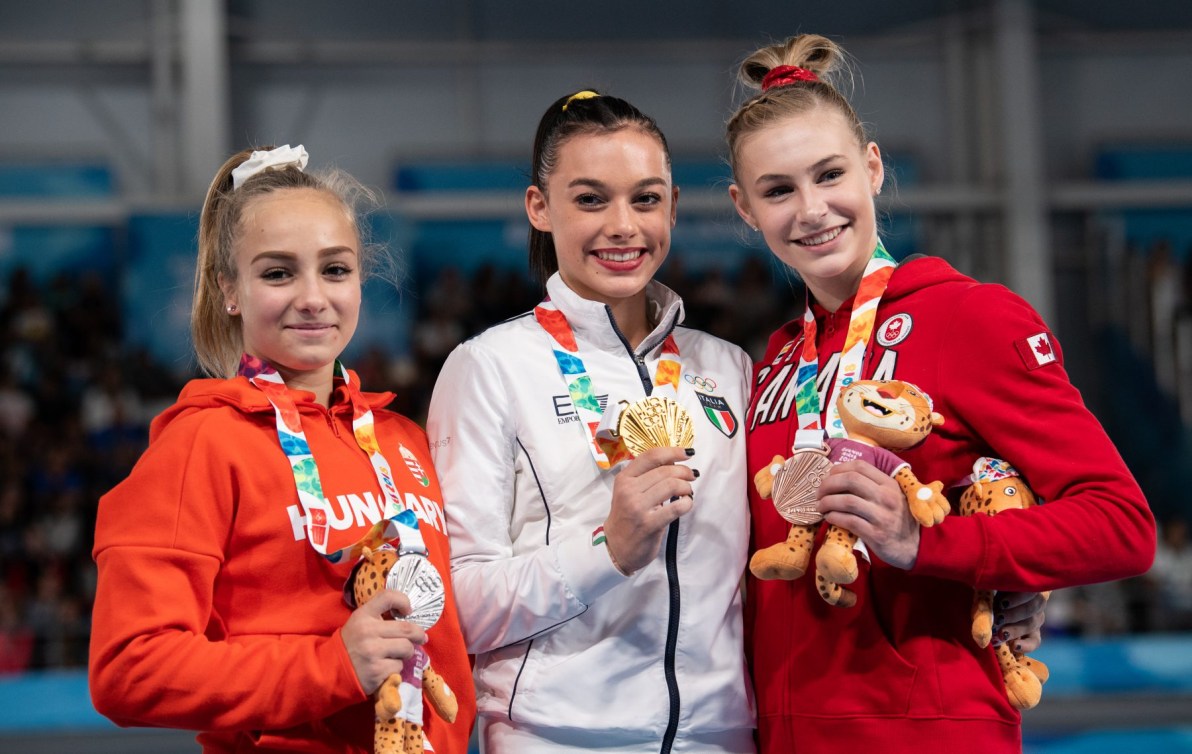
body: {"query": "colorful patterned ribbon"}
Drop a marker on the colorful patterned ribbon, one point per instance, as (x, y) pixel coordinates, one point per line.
(397, 522)
(579, 382)
(852, 358)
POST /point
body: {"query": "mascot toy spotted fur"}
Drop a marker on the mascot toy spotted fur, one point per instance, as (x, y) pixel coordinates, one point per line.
(993, 487)
(879, 416)
(398, 708)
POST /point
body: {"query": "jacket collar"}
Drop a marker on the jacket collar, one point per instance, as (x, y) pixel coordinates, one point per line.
(593, 322)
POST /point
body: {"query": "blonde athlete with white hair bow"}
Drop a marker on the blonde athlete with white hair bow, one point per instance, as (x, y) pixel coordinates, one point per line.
(222, 557)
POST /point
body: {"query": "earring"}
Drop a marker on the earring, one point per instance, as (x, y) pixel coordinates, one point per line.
(753, 228)
(879, 190)
(231, 308)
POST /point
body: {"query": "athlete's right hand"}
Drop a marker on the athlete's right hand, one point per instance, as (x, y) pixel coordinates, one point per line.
(377, 644)
(650, 492)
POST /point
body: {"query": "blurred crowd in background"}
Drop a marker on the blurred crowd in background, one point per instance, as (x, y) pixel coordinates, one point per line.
(76, 402)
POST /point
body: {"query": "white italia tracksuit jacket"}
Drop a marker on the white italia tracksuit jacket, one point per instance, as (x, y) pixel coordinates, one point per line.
(570, 654)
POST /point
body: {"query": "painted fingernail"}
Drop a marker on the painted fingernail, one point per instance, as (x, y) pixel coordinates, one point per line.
(1005, 635)
(673, 499)
(695, 472)
(1018, 648)
(689, 451)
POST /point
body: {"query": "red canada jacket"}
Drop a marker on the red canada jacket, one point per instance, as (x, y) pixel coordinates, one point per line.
(899, 671)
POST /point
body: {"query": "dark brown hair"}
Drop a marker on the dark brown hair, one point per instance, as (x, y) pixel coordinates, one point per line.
(567, 117)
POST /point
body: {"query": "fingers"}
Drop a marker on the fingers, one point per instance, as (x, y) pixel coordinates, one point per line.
(861, 493)
(385, 601)
(642, 493)
(859, 497)
(655, 458)
(1018, 619)
(853, 473)
(1032, 602)
(376, 644)
(1027, 643)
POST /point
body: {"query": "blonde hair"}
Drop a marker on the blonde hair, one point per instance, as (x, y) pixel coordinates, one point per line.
(216, 335)
(811, 52)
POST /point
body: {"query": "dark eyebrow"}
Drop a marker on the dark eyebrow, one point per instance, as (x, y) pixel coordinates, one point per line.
(593, 183)
(814, 168)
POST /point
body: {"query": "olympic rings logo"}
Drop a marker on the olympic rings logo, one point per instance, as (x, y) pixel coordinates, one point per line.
(703, 383)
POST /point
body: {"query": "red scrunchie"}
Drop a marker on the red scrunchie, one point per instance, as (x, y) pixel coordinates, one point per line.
(783, 75)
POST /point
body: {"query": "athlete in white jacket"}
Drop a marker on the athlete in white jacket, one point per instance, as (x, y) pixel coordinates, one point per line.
(564, 643)
(601, 597)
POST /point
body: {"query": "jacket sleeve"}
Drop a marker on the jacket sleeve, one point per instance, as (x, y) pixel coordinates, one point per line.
(159, 656)
(503, 597)
(1094, 525)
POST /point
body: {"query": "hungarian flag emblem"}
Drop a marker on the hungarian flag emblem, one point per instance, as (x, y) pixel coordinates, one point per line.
(718, 412)
(413, 465)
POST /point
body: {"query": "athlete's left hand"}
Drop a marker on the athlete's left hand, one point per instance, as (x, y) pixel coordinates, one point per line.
(857, 496)
(1018, 619)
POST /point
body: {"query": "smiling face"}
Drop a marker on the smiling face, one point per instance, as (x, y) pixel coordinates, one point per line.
(808, 186)
(610, 205)
(888, 413)
(297, 287)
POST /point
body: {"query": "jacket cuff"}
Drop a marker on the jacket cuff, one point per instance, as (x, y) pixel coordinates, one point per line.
(346, 684)
(587, 569)
(953, 550)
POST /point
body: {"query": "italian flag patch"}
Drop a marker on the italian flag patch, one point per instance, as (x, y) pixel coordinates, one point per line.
(719, 413)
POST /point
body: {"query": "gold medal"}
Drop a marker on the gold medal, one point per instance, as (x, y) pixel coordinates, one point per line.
(796, 483)
(655, 422)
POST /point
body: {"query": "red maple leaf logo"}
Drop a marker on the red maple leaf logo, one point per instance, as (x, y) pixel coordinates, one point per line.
(1043, 347)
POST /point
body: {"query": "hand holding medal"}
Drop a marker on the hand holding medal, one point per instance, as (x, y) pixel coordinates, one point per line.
(653, 489)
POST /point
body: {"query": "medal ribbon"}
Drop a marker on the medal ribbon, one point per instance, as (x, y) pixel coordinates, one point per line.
(397, 522)
(579, 382)
(852, 358)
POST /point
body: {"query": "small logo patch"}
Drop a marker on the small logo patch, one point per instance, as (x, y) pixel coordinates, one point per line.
(719, 413)
(894, 330)
(1036, 351)
(598, 537)
(786, 348)
(413, 465)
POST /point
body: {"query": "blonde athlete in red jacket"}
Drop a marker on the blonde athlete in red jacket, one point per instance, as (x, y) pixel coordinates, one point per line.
(220, 603)
(899, 668)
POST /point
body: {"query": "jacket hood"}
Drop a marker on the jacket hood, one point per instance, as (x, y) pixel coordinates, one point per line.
(918, 272)
(240, 394)
(913, 274)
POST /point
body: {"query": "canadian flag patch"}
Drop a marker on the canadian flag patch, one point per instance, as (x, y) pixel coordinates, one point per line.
(1036, 351)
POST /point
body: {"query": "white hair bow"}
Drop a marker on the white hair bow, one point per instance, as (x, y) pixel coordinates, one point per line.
(258, 161)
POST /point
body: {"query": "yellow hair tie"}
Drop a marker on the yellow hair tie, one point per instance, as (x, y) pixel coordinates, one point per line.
(585, 94)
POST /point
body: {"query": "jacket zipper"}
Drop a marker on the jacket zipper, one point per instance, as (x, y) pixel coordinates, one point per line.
(672, 567)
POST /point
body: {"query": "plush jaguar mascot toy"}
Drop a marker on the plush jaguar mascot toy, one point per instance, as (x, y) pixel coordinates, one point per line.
(879, 416)
(993, 487)
(398, 727)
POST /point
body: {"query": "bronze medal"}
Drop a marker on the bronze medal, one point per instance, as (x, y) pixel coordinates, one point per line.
(796, 483)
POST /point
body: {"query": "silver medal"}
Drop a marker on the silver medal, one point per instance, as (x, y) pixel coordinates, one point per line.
(416, 577)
